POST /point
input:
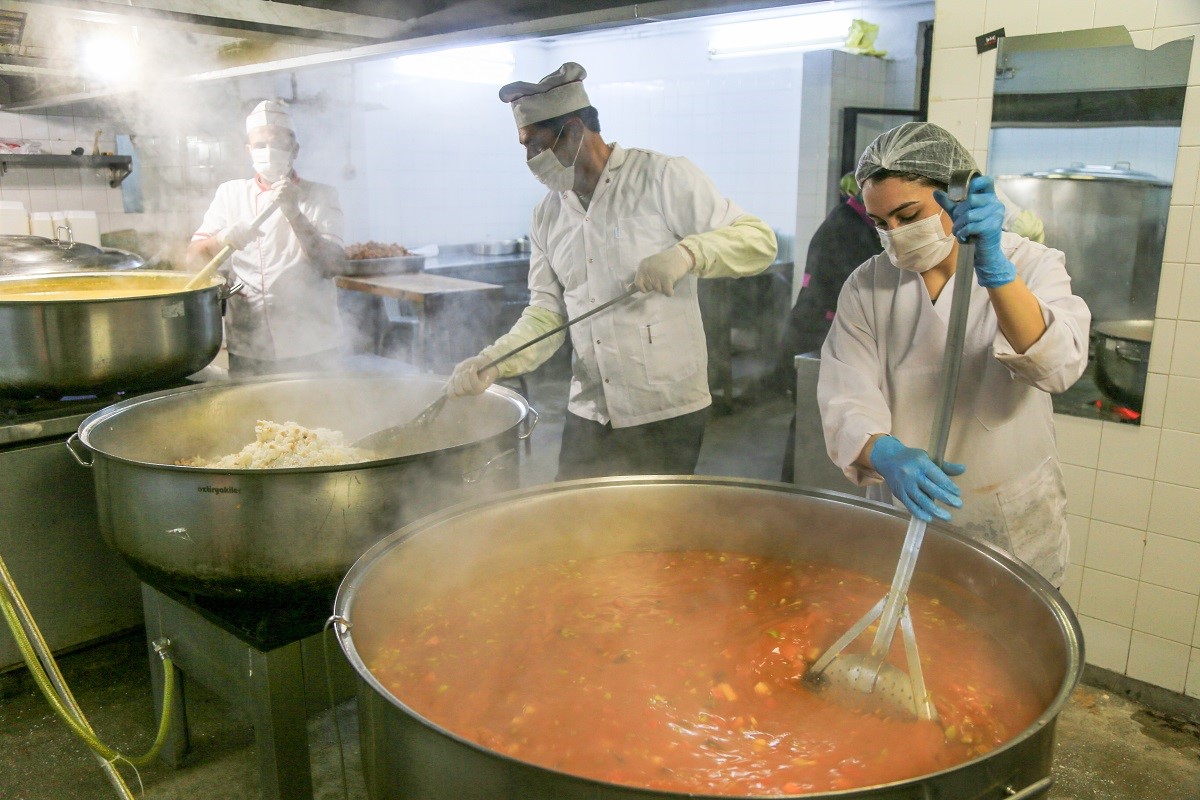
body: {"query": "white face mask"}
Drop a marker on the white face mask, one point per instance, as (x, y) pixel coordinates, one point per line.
(272, 163)
(918, 246)
(546, 167)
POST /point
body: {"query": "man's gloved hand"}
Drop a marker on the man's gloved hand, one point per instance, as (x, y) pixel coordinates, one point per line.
(467, 379)
(1028, 224)
(237, 236)
(287, 196)
(915, 480)
(982, 215)
(661, 271)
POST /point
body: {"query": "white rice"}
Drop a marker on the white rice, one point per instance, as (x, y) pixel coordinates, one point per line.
(281, 445)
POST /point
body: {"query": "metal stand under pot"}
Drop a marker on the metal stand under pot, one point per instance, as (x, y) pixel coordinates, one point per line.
(265, 659)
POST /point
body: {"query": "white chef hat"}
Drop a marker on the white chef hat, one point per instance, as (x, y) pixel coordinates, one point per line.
(919, 148)
(558, 93)
(269, 112)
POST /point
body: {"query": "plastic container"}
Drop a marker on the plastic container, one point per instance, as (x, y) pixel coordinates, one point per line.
(14, 219)
(41, 223)
(85, 227)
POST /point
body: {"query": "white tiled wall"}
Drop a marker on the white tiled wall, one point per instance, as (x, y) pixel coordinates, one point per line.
(1133, 491)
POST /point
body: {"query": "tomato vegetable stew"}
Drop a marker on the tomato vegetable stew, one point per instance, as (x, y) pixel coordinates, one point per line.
(680, 671)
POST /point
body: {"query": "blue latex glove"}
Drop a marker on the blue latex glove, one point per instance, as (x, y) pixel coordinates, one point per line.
(982, 215)
(915, 480)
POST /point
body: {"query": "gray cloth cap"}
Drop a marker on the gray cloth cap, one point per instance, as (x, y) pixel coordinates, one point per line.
(921, 148)
(556, 94)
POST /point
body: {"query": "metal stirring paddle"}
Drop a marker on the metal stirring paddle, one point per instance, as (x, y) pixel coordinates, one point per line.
(871, 673)
(381, 440)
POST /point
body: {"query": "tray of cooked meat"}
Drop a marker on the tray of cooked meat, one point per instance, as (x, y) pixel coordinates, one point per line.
(378, 258)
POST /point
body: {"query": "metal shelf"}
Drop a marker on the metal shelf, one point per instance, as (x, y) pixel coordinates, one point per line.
(118, 167)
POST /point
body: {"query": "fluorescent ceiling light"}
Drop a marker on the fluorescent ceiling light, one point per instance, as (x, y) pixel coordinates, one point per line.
(110, 58)
(489, 63)
(782, 35)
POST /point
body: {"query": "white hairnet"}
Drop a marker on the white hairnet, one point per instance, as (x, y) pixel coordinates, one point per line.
(920, 148)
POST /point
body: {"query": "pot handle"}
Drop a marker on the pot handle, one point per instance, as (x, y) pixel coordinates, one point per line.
(1032, 790)
(1130, 353)
(532, 418)
(226, 292)
(479, 473)
(72, 443)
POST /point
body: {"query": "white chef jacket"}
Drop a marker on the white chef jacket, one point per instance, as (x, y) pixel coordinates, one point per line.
(644, 359)
(286, 309)
(881, 370)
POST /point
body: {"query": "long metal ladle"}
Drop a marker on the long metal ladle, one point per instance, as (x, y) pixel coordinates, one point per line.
(381, 440)
(202, 277)
(905, 692)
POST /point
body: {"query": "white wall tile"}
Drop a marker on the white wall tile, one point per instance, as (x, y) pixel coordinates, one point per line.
(1017, 17)
(957, 75)
(1081, 484)
(1072, 582)
(1106, 645)
(1182, 411)
(1078, 440)
(1122, 499)
(1170, 286)
(1179, 226)
(1158, 661)
(1077, 532)
(34, 126)
(1108, 597)
(1166, 613)
(1179, 458)
(1173, 511)
(1065, 15)
(1162, 345)
(1142, 39)
(1176, 12)
(958, 23)
(1128, 449)
(1134, 16)
(1192, 687)
(1189, 127)
(1115, 549)
(1193, 251)
(1155, 400)
(1172, 563)
(1185, 359)
(1189, 292)
(1187, 172)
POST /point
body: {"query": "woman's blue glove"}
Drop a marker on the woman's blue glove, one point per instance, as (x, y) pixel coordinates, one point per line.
(915, 480)
(982, 215)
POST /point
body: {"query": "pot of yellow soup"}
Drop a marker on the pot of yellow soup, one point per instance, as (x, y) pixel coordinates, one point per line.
(97, 332)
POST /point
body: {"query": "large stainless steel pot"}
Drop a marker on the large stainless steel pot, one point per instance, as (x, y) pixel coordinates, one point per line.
(1122, 357)
(1111, 223)
(272, 533)
(34, 255)
(59, 346)
(405, 755)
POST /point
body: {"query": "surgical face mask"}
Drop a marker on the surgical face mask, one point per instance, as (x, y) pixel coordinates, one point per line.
(272, 163)
(546, 167)
(918, 246)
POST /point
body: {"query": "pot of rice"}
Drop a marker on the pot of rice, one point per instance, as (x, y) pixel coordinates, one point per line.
(253, 488)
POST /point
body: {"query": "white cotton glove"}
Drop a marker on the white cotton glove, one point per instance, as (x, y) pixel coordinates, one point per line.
(661, 271)
(237, 236)
(467, 378)
(287, 196)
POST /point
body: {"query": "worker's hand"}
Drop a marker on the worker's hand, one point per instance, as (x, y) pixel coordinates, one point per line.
(915, 480)
(467, 378)
(287, 196)
(1028, 224)
(661, 271)
(981, 216)
(237, 236)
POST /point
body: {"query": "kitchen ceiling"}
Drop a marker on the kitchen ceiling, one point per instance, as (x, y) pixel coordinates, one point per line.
(45, 45)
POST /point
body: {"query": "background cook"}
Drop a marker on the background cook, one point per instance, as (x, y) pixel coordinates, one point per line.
(615, 217)
(285, 318)
(1027, 336)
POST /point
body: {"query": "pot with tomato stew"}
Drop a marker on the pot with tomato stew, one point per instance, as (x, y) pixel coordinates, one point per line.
(646, 637)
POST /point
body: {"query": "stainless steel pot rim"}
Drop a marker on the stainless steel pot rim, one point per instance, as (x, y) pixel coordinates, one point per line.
(1133, 330)
(344, 624)
(99, 417)
(218, 283)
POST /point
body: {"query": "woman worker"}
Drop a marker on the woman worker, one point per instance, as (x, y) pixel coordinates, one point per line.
(1026, 337)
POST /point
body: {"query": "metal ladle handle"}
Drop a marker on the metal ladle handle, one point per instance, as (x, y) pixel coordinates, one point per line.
(201, 277)
(960, 183)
